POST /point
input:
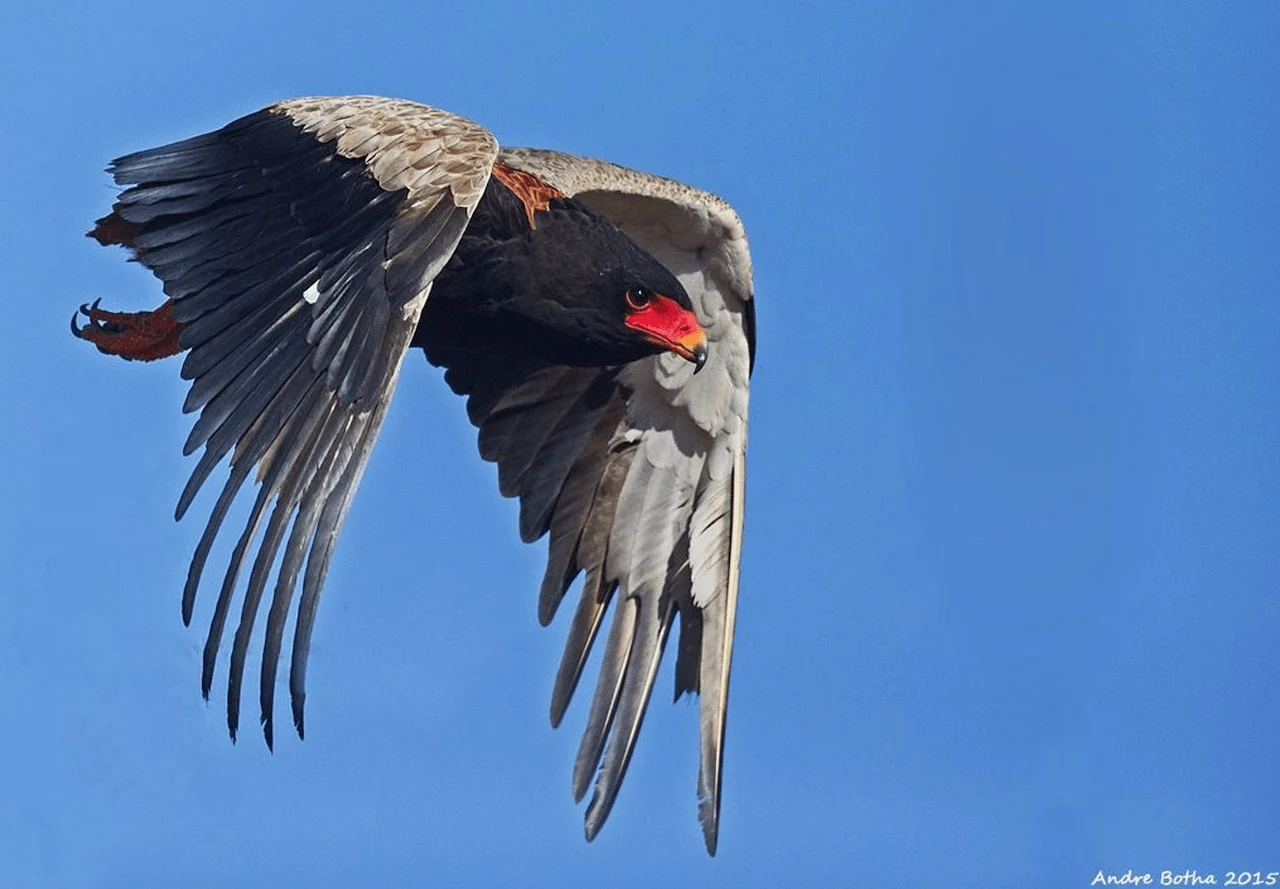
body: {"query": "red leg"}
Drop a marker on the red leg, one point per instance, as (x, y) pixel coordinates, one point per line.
(141, 336)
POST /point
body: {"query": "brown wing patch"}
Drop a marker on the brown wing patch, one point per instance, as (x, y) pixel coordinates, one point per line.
(114, 230)
(533, 192)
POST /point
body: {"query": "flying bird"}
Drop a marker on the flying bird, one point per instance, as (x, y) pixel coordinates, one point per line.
(599, 321)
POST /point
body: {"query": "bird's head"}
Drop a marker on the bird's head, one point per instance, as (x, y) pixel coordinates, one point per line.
(656, 314)
(575, 290)
(613, 302)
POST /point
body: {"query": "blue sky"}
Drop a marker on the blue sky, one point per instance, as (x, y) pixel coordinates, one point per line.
(1009, 606)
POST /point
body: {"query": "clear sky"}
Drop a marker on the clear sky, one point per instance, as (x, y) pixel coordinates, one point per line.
(1009, 604)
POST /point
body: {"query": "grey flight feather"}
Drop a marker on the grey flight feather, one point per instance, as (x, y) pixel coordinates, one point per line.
(651, 507)
(354, 204)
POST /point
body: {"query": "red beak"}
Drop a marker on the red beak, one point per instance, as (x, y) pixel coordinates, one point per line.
(665, 323)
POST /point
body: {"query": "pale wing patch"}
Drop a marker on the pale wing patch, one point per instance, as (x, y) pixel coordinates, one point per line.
(679, 511)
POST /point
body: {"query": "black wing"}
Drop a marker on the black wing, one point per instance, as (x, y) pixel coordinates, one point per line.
(298, 245)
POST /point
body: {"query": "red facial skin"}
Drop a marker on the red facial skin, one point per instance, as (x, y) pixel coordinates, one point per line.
(665, 323)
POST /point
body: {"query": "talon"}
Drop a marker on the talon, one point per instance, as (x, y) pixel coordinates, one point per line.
(142, 336)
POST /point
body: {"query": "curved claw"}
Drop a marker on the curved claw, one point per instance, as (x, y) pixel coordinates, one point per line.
(134, 336)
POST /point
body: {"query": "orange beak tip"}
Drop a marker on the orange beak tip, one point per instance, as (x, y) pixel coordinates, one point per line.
(699, 356)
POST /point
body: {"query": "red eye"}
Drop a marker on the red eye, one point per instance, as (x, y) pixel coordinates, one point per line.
(638, 299)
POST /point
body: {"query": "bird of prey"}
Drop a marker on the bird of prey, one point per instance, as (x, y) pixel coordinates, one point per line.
(599, 321)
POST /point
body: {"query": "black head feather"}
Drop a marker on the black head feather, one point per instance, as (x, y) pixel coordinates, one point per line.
(554, 294)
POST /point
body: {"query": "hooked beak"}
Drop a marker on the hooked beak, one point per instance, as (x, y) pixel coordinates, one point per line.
(693, 348)
(668, 325)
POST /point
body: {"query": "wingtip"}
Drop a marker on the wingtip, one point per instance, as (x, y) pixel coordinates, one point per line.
(233, 720)
(559, 706)
(598, 811)
(709, 817)
(299, 723)
(546, 610)
(581, 781)
(591, 826)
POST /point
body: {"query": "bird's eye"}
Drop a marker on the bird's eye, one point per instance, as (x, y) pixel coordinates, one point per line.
(638, 298)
